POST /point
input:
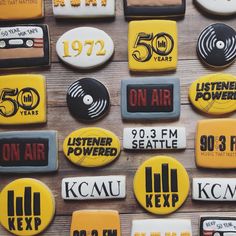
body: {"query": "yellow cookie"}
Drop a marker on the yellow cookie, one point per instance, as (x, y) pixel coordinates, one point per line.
(152, 45)
(91, 147)
(216, 143)
(27, 207)
(21, 9)
(22, 99)
(214, 94)
(95, 223)
(161, 185)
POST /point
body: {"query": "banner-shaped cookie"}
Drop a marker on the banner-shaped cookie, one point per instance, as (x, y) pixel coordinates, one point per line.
(216, 144)
(214, 94)
(24, 46)
(83, 8)
(154, 138)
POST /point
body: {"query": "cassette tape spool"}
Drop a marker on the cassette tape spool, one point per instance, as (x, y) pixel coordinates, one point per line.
(217, 45)
(88, 99)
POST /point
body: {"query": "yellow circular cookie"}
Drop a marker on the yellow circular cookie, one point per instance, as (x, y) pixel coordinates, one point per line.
(27, 207)
(161, 185)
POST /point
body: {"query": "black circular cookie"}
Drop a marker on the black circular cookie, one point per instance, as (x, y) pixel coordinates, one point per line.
(88, 99)
(217, 45)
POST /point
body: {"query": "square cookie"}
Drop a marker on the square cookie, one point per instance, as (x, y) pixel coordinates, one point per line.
(152, 45)
(21, 9)
(95, 222)
(154, 8)
(23, 99)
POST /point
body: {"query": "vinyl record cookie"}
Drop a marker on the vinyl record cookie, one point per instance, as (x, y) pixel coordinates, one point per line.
(88, 99)
(218, 7)
(217, 45)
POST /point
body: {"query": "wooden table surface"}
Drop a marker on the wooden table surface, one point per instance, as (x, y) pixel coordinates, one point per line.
(59, 77)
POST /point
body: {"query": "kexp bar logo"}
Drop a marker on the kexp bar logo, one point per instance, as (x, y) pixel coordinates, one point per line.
(161, 185)
(27, 207)
(91, 147)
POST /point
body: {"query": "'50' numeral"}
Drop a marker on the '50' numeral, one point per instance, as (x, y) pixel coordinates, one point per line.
(77, 46)
(162, 44)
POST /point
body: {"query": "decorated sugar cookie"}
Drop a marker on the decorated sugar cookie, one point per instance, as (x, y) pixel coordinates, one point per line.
(214, 94)
(24, 46)
(23, 99)
(27, 207)
(88, 99)
(216, 225)
(152, 45)
(214, 189)
(150, 98)
(85, 47)
(28, 151)
(216, 45)
(93, 187)
(216, 143)
(83, 8)
(218, 7)
(95, 222)
(154, 8)
(161, 185)
(21, 10)
(177, 227)
(91, 147)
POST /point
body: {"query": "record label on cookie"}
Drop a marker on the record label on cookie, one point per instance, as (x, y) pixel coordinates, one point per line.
(24, 46)
(161, 185)
(91, 147)
(217, 45)
(218, 7)
(214, 94)
(88, 99)
(27, 207)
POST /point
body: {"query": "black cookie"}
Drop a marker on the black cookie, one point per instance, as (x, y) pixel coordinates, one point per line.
(217, 45)
(88, 99)
(143, 10)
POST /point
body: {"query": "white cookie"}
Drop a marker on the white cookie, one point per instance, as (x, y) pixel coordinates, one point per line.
(218, 7)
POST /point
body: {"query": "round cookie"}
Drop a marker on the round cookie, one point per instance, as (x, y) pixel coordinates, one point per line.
(218, 7)
(216, 45)
(88, 99)
(27, 207)
(161, 185)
